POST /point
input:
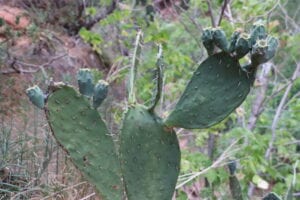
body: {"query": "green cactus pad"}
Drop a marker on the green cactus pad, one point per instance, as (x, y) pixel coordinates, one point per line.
(150, 156)
(82, 133)
(85, 82)
(36, 96)
(272, 196)
(100, 93)
(217, 87)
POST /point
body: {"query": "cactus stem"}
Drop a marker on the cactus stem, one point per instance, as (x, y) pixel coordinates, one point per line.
(159, 78)
(134, 64)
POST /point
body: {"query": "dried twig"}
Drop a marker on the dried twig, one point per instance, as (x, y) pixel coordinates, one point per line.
(19, 70)
(218, 163)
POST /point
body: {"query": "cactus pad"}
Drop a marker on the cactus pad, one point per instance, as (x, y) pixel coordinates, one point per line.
(82, 133)
(150, 156)
(217, 87)
(100, 93)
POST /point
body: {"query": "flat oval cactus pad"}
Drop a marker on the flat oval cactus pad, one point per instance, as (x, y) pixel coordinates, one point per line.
(80, 130)
(217, 87)
(150, 156)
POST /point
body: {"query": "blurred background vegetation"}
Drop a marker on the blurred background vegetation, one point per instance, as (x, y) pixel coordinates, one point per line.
(40, 39)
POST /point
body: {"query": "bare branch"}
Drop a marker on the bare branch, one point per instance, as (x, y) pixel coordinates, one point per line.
(227, 153)
(210, 10)
(259, 100)
(225, 4)
(278, 113)
(256, 112)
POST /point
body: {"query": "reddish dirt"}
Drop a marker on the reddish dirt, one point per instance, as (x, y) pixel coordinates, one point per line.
(16, 18)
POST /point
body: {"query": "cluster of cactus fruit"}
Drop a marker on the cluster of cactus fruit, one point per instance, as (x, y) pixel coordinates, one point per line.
(147, 162)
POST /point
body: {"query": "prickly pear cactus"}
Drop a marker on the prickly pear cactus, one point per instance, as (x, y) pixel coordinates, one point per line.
(221, 84)
(150, 156)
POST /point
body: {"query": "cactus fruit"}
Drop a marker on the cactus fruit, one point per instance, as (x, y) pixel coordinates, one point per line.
(207, 40)
(212, 37)
(219, 38)
(150, 156)
(243, 45)
(217, 87)
(85, 82)
(233, 40)
(36, 96)
(264, 50)
(82, 133)
(258, 32)
(271, 196)
(100, 93)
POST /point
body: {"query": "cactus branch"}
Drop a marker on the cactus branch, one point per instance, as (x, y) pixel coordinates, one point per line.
(134, 64)
(158, 78)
